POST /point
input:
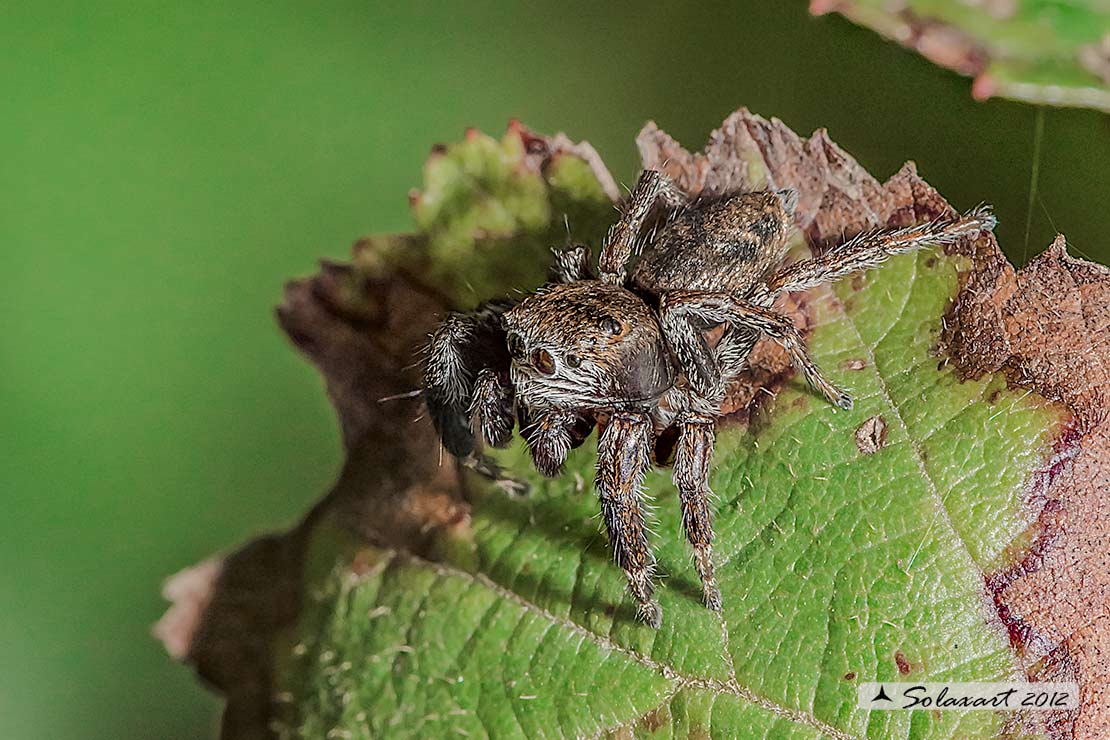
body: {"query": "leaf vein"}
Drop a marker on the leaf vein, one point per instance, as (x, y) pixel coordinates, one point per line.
(917, 454)
(715, 687)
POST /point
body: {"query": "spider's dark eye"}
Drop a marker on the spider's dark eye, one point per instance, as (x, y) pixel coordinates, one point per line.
(543, 361)
(516, 345)
(611, 326)
(572, 361)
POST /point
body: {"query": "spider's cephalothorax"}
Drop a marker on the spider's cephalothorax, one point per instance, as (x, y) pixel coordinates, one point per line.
(631, 350)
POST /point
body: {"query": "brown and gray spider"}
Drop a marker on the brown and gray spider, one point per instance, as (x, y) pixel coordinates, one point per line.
(633, 351)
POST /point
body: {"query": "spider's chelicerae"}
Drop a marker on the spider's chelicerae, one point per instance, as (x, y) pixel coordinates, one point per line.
(645, 348)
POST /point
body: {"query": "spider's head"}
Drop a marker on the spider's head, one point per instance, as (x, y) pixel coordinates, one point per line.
(587, 344)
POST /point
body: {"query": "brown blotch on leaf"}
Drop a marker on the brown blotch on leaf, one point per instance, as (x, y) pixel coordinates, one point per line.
(854, 364)
(871, 435)
(850, 676)
(653, 720)
(903, 665)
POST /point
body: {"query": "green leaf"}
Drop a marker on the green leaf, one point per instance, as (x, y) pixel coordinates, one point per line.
(491, 211)
(851, 546)
(1039, 51)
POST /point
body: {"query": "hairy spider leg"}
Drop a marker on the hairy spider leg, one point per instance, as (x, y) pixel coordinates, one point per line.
(685, 314)
(461, 348)
(872, 248)
(620, 241)
(860, 253)
(623, 457)
(681, 307)
(691, 476)
(733, 350)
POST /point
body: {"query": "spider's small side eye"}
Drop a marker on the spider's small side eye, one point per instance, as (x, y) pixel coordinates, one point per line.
(543, 361)
(516, 345)
(573, 361)
(611, 326)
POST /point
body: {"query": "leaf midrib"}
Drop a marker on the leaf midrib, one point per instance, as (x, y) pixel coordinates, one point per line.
(914, 444)
(604, 643)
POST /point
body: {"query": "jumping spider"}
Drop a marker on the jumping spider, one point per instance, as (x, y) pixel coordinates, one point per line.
(643, 352)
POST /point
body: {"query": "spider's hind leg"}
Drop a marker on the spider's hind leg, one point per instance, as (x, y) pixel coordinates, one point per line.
(623, 457)
(652, 188)
(871, 249)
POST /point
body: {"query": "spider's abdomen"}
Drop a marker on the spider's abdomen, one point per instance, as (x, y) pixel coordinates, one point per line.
(724, 245)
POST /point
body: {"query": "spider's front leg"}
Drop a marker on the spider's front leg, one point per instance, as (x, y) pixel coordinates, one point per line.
(623, 457)
(467, 371)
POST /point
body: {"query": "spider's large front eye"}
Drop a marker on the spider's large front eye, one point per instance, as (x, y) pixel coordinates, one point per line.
(516, 346)
(543, 361)
(572, 361)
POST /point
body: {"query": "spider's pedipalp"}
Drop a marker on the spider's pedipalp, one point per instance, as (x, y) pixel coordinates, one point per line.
(491, 407)
(549, 438)
(623, 457)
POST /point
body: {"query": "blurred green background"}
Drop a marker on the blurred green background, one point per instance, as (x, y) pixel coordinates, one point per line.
(165, 166)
